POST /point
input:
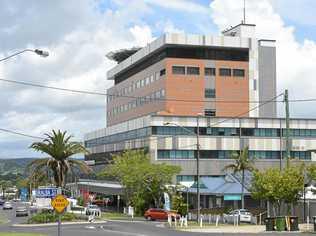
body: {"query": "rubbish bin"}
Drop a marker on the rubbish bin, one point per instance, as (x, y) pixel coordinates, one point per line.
(294, 223)
(269, 223)
(280, 223)
(314, 221)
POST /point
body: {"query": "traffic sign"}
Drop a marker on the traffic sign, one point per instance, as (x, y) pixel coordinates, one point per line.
(59, 203)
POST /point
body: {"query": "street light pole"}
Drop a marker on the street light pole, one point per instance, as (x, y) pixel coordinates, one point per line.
(198, 167)
(39, 52)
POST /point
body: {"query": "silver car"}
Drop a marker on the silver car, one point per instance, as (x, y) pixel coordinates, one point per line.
(21, 211)
(7, 206)
(242, 215)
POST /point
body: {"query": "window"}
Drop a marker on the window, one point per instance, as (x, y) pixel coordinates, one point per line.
(209, 112)
(239, 72)
(225, 72)
(209, 93)
(178, 70)
(162, 72)
(210, 71)
(193, 70)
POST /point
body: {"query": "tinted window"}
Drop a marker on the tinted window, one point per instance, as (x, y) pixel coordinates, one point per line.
(178, 70)
(239, 72)
(210, 93)
(225, 72)
(210, 71)
(193, 70)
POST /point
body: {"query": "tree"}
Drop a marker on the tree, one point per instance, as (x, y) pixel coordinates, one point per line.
(144, 183)
(278, 187)
(60, 148)
(242, 163)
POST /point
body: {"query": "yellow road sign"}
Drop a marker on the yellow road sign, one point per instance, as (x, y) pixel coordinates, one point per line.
(59, 203)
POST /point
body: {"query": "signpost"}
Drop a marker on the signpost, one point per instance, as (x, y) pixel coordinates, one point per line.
(59, 203)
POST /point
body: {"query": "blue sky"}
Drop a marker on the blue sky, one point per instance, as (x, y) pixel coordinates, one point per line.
(78, 34)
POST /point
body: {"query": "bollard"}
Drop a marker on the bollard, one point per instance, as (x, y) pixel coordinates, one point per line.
(169, 220)
(209, 218)
(217, 220)
(201, 221)
(175, 222)
(186, 221)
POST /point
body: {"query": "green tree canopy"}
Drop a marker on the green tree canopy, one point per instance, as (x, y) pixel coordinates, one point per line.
(278, 186)
(144, 183)
(60, 148)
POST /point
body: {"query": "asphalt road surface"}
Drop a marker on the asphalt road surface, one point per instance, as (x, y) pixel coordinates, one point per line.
(110, 228)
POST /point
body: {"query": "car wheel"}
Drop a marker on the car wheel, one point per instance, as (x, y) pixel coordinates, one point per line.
(149, 218)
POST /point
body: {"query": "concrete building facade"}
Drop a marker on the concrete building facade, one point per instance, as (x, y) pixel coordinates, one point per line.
(185, 75)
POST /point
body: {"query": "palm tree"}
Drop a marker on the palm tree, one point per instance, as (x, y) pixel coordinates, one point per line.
(59, 148)
(242, 163)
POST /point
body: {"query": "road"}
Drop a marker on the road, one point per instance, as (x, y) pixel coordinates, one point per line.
(110, 228)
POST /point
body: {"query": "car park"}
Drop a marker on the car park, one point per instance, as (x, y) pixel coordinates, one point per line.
(160, 214)
(242, 215)
(21, 211)
(7, 206)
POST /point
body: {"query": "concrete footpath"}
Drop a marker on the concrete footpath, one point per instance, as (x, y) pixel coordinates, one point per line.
(243, 229)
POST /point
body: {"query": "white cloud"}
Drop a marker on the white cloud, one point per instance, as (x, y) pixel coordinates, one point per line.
(295, 60)
(77, 35)
(180, 5)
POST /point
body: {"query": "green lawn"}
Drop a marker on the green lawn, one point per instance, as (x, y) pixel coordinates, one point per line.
(21, 234)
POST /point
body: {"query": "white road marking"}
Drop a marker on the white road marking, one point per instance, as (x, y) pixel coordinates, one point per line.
(121, 232)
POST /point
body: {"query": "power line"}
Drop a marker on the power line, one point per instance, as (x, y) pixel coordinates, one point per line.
(20, 134)
(122, 96)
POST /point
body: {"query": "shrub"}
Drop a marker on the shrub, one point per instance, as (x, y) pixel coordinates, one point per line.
(50, 217)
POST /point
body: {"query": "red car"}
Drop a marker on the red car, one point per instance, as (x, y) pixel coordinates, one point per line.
(159, 214)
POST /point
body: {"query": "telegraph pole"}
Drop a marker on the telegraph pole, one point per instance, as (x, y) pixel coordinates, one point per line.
(287, 121)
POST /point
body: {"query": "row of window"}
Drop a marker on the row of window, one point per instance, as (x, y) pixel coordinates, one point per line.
(153, 97)
(185, 178)
(227, 154)
(137, 84)
(212, 131)
(208, 71)
(218, 131)
(129, 135)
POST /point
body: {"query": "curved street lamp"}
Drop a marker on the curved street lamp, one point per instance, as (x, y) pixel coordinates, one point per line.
(197, 159)
(39, 52)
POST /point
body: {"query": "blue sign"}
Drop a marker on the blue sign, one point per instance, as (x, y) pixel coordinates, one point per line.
(232, 197)
(167, 201)
(46, 192)
(23, 194)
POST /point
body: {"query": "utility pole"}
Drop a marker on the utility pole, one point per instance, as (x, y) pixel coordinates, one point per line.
(198, 168)
(287, 121)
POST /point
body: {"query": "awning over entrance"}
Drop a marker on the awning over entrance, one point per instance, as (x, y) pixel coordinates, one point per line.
(104, 187)
(227, 185)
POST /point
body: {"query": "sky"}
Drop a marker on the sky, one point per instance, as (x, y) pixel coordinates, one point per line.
(79, 33)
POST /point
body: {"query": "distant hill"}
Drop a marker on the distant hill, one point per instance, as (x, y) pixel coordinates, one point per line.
(14, 166)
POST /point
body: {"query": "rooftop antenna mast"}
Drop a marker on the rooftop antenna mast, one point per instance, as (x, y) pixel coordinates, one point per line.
(244, 12)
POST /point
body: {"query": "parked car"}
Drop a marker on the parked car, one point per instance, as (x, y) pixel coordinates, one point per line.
(93, 210)
(160, 214)
(242, 215)
(7, 206)
(21, 211)
(1, 202)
